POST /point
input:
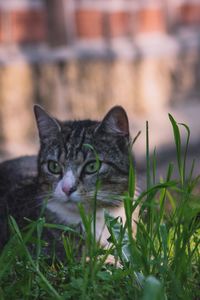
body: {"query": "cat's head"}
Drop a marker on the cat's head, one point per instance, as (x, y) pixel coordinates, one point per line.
(68, 165)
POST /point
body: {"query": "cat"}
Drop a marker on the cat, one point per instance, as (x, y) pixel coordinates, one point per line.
(66, 170)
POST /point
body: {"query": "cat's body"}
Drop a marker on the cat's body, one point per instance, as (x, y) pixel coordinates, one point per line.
(17, 183)
(73, 157)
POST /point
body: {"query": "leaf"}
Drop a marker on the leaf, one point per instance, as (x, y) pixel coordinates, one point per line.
(164, 239)
(15, 227)
(60, 227)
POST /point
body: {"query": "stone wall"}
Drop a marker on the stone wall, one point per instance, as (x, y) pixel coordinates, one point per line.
(87, 88)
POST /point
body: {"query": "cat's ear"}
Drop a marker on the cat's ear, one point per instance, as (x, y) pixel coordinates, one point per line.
(47, 126)
(115, 122)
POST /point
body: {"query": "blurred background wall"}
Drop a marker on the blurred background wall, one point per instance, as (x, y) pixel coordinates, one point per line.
(78, 58)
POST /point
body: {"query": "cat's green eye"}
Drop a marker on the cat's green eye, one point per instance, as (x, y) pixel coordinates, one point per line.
(54, 167)
(92, 167)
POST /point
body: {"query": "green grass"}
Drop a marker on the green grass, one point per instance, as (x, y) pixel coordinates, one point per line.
(163, 262)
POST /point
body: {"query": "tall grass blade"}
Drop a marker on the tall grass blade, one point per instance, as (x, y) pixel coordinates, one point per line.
(177, 139)
(154, 167)
(186, 149)
(97, 186)
(131, 178)
(148, 172)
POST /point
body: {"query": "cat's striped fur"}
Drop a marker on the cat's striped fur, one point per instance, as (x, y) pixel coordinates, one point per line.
(67, 171)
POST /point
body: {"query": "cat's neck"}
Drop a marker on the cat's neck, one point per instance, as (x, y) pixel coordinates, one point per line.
(68, 214)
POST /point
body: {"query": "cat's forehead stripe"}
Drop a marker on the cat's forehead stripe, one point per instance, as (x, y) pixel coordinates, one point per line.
(81, 140)
(75, 143)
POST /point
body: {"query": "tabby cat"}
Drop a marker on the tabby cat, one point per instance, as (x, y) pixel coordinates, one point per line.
(66, 170)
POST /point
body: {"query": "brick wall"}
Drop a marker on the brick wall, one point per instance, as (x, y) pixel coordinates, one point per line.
(26, 21)
(22, 22)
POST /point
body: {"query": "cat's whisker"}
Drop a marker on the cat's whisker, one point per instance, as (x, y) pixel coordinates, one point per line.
(35, 203)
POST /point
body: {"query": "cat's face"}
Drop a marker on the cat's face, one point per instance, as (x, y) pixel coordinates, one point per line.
(68, 164)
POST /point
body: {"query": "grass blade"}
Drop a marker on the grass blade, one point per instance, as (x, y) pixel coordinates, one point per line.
(177, 139)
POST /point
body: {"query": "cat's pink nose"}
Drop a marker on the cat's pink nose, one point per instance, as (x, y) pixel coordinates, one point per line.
(68, 190)
(68, 183)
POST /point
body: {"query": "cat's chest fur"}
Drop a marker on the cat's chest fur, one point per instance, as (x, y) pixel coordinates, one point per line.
(68, 214)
